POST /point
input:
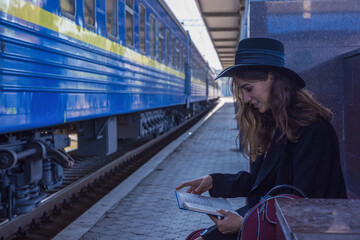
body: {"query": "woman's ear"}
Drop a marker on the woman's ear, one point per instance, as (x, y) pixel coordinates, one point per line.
(270, 77)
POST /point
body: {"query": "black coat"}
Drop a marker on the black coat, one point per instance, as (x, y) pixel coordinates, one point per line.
(311, 164)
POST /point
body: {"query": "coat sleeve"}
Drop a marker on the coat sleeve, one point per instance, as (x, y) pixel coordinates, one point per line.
(235, 185)
(230, 185)
(316, 162)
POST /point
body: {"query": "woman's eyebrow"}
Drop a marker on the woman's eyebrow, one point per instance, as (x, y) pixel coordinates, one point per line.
(244, 85)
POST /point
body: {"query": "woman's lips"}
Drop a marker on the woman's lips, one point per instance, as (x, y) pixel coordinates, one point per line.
(256, 104)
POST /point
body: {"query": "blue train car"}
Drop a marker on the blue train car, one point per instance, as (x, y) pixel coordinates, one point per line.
(212, 86)
(102, 69)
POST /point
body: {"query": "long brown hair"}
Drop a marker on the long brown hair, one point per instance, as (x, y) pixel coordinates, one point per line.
(290, 108)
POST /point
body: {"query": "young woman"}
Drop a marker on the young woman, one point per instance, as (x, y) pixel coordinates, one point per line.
(287, 136)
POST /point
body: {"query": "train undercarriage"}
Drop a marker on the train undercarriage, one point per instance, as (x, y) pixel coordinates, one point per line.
(32, 162)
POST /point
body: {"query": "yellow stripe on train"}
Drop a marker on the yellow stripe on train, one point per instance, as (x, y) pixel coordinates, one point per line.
(31, 13)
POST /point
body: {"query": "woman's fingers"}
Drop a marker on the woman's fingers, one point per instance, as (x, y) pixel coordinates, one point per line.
(185, 184)
(205, 184)
(201, 188)
(190, 190)
(197, 186)
(231, 222)
(223, 212)
(213, 218)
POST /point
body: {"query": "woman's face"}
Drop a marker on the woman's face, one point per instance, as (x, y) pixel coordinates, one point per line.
(256, 93)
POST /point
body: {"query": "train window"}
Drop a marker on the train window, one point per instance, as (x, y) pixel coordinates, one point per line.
(198, 72)
(172, 57)
(184, 57)
(111, 18)
(195, 70)
(130, 3)
(68, 8)
(180, 54)
(166, 47)
(181, 58)
(142, 40)
(161, 40)
(129, 24)
(177, 55)
(89, 13)
(152, 36)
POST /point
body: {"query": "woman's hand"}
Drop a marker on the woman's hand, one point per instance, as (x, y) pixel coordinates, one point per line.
(198, 186)
(231, 223)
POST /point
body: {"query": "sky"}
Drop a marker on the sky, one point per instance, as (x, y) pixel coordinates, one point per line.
(187, 12)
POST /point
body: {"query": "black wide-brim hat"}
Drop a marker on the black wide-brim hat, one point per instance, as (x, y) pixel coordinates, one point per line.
(258, 52)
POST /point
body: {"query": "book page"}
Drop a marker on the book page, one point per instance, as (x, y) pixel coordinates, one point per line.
(202, 203)
(202, 208)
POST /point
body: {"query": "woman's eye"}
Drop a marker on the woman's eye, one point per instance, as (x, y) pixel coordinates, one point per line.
(248, 89)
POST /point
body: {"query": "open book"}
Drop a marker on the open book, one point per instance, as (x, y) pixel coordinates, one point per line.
(202, 204)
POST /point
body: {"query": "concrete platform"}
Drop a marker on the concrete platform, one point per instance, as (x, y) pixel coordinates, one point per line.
(144, 206)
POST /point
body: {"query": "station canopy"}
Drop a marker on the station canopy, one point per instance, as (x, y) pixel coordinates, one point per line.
(222, 20)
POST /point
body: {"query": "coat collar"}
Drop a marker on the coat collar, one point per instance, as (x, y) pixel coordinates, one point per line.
(271, 159)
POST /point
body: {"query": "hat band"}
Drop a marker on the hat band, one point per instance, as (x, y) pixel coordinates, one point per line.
(260, 57)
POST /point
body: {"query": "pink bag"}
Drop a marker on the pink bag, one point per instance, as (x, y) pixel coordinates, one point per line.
(260, 222)
(195, 234)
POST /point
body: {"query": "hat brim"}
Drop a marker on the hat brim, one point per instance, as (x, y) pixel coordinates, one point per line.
(229, 72)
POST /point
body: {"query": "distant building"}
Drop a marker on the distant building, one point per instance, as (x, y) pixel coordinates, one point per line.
(224, 84)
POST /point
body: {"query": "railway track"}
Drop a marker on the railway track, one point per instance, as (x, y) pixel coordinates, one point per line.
(86, 183)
